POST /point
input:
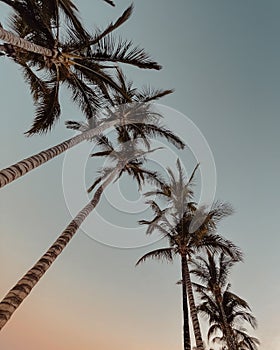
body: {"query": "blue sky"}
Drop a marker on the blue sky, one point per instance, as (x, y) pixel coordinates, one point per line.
(222, 58)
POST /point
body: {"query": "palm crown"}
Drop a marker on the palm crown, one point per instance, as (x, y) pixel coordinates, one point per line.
(77, 59)
(136, 116)
(225, 310)
(181, 215)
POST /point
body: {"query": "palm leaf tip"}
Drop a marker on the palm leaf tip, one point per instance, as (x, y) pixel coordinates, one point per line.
(110, 2)
(143, 222)
(72, 125)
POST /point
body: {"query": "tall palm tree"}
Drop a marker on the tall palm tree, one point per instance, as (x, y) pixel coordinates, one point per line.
(175, 223)
(50, 56)
(128, 159)
(224, 309)
(139, 118)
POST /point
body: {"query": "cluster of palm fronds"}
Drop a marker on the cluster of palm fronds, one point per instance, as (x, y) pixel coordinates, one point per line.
(85, 63)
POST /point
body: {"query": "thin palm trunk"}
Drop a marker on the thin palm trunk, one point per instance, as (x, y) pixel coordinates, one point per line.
(15, 40)
(186, 327)
(193, 310)
(21, 168)
(228, 332)
(22, 289)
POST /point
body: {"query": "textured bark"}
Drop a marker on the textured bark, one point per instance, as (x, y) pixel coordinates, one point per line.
(193, 310)
(22, 289)
(21, 168)
(231, 343)
(186, 327)
(15, 40)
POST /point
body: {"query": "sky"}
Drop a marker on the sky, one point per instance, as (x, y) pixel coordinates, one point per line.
(222, 59)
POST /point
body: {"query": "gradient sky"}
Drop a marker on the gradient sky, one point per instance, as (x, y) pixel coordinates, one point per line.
(222, 58)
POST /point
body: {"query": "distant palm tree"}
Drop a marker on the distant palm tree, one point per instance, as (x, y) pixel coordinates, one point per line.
(73, 58)
(128, 159)
(215, 276)
(175, 223)
(224, 309)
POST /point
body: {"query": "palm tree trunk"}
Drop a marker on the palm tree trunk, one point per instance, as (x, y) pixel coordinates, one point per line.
(22, 289)
(21, 168)
(186, 327)
(15, 40)
(193, 310)
(231, 343)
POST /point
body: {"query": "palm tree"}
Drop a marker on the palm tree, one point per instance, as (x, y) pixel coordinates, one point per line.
(139, 119)
(74, 58)
(215, 276)
(176, 223)
(224, 309)
(128, 159)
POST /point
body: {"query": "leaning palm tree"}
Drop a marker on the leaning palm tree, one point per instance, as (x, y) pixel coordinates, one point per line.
(224, 309)
(50, 56)
(175, 223)
(140, 118)
(128, 159)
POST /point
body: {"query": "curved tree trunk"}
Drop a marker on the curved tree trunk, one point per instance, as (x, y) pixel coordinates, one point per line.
(193, 310)
(21, 168)
(22, 289)
(186, 327)
(15, 40)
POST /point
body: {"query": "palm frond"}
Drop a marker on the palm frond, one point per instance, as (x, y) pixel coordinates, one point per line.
(192, 175)
(220, 210)
(215, 242)
(96, 182)
(158, 254)
(101, 154)
(113, 26)
(245, 341)
(86, 98)
(71, 14)
(122, 51)
(38, 87)
(47, 112)
(246, 316)
(94, 75)
(156, 130)
(213, 330)
(80, 126)
(110, 2)
(148, 94)
(30, 17)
